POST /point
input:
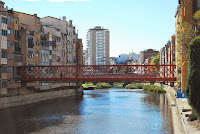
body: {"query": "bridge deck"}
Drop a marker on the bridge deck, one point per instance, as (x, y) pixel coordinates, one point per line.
(98, 73)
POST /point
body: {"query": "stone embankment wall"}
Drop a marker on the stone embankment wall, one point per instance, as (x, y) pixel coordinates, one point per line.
(13, 101)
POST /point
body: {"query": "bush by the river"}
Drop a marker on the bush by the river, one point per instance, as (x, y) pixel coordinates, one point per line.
(134, 86)
(154, 88)
(118, 84)
(102, 85)
(88, 85)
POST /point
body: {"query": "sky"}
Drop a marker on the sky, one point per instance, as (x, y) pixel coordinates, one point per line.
(134, 25)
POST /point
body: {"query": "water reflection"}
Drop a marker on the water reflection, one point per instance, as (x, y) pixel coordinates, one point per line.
(113, 111)
(160, 102)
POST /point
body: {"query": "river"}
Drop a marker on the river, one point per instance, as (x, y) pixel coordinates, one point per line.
(110, 111)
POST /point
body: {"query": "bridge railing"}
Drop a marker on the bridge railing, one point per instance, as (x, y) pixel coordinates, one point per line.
(98, 73)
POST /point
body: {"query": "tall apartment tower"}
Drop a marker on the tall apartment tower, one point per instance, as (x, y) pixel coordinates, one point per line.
(98, 46)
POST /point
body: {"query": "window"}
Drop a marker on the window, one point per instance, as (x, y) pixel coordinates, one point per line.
(16, 34)
(10, 70)
(37, 20)
(54, 57)
(10, 31)
(10, 81)
(30, 42)
(3, 32)
(43, 58)
(37, 43)
(58, 39)
(63, 43)
(37, 31)
(16, 21)
(74, 59)
(58, 59)
(58, 48)
(74, 41)
(4, 84)
(10, 57)
(17, 58)
(4, 20)
(30, 54)
(74, 33)
(63, 54)
(47, 58)
(37, 54)
(10, 19)
(4, 69)
(17, 48)
(50, 43)
(10, 44)
(4, 53)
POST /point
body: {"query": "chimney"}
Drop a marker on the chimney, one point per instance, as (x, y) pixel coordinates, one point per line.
(2, 4)
(64, 18)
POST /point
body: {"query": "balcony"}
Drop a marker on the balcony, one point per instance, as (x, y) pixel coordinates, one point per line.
(43, 38)
(16, 76)
(45, 48)
(18, 50)
(31, 33)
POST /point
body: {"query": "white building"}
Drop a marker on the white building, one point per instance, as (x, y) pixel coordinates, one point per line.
(98, 46)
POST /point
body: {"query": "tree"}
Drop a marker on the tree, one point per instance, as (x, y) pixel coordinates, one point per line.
(193, 83)
(155, 60)
(185, 33)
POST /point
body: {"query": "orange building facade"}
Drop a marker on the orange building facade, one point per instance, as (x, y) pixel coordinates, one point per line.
(188, 9)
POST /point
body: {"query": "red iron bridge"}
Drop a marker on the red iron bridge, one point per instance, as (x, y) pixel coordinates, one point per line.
(98, 73)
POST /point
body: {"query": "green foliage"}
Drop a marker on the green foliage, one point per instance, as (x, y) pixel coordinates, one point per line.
(134, 86)
(197, 16)
(193, 79)
(185, 33)
(154, 88)
(156, 60)
(103, 85)
(118, 85)
(88, 85)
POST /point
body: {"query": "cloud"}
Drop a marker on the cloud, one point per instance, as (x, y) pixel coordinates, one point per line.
(65, 0)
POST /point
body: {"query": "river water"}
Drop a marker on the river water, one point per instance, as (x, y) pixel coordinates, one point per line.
(111, 111)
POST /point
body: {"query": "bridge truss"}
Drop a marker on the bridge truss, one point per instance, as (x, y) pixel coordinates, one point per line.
(96, 73)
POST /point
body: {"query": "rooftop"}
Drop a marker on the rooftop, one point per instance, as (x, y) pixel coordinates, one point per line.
(27, 14)
(98, 28)
(2, 2)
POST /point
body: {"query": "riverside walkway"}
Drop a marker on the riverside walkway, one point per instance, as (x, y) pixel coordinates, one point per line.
(180, 113)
